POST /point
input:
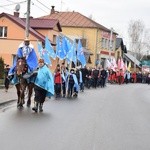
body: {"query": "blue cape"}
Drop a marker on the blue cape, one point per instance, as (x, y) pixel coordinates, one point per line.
(75, 81)
(45, 80)
(32, 60)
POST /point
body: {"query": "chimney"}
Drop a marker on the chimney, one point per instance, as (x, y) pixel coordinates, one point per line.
(16, 14)
(52, 10)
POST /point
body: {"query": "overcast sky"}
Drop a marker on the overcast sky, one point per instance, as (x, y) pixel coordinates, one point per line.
(109, 13)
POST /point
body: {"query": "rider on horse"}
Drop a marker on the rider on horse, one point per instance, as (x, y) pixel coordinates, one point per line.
(27, 51)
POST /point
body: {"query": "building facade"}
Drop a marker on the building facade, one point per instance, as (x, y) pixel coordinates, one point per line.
(97, 39)
(12, 33)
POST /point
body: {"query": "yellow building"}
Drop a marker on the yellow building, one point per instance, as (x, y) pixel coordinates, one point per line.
(94, 37)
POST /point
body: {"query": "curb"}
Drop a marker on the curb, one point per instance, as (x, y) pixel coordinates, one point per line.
(6, 102)
(2, 86)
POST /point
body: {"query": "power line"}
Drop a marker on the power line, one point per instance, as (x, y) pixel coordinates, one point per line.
(10, 1)
(43, 4)
(38, 7)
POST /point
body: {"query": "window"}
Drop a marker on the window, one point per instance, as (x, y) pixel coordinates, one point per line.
(110, 45)
(83, 42)
(103, 42)
(54, 39)
(89, 60)
(107, 44)
(3, 32)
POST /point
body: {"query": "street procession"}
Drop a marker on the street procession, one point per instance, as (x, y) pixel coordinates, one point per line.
(71, 76)
(74, 75)
(64, 67)
(57, 59)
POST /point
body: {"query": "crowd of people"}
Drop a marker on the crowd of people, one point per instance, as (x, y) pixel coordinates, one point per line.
(66, 82)
(121, 77)
(92, 77)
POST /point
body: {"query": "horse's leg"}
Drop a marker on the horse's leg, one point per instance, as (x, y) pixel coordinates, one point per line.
(22, 101)
(30, 91)
(18, 94)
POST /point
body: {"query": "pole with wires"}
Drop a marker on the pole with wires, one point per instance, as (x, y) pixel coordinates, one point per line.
(27, 19)
(110, 43)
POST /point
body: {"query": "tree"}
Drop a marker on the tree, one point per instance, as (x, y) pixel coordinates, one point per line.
(147, 39)
(136, 34)
(1, 68)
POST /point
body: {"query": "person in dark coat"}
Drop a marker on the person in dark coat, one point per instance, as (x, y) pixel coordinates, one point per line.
(95, 76)
(6, 80)
(84, 76)
(103, 76)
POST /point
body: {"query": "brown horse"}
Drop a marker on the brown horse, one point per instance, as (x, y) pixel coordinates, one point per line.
(23, 84)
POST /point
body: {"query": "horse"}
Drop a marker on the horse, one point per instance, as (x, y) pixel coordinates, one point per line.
(23, 84)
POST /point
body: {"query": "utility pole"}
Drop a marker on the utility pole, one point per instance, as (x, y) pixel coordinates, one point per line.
(28, 19)
(110, 43)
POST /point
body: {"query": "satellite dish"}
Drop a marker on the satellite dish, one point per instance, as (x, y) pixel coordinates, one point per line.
(17, 8)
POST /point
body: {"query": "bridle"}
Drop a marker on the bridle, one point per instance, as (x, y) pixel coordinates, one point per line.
(21, 67)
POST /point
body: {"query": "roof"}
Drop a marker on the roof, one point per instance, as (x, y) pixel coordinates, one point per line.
(133, 59)
(119, 43)
(34, 24)
(22, 24)
(125, 49)
(39, 23)
(75, 19)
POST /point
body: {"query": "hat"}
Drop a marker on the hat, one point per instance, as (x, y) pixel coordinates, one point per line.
(26, 39)
(41, 60)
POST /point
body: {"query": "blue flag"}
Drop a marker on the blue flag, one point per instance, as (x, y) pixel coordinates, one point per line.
(58, 47)
(61, 54)
(80, 54)
(71, 55)
(44, 54)
(49, 48)
(65, 45)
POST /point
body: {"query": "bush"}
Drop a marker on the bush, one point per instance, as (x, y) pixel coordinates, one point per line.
(1, 68)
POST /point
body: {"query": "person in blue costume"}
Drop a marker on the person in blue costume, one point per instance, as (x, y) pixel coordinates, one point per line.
(44, 86)
(27, 51)
(72, 83)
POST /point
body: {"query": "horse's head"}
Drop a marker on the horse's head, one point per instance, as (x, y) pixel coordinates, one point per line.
(21, 67)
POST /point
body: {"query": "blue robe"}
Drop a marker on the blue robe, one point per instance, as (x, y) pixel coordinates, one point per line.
(45, 80)
(31, 59)
(76, 82)
(76, 85)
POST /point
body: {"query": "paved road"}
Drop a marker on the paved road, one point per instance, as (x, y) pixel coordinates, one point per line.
(113, 118)
(8, 96)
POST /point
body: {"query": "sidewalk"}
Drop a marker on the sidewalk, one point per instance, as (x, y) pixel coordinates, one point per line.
(11, 95)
